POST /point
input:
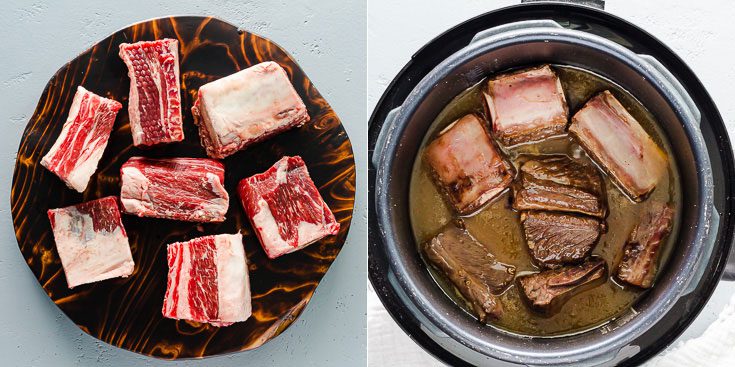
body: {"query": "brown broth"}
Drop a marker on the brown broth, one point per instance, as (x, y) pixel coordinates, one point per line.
(498, 227)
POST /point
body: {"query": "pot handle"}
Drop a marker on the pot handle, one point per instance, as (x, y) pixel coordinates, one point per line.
(385, 130)
(674, 83)
(597, 4)
(729, 273)
(706, 254)
(671, 82)
(523, 24)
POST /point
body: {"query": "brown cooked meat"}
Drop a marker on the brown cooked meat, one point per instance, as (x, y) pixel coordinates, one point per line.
(640, 255)
(555, 239)
(526, 105)
(619, 144)
(558, 183)
(471, 268)
(467, 166)
(546, 292)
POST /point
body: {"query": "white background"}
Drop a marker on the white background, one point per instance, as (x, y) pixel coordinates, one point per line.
(326, 37)
(701, 32)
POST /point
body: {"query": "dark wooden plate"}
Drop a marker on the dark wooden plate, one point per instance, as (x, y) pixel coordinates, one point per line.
(127, 312)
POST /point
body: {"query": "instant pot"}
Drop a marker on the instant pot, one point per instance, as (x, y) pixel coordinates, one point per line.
(571, 33)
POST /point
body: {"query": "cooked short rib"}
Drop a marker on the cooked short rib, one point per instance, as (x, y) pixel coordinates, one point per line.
(246, 107)
(471, 268)
(467, 166)
(640, 255)
(561, 184)
(618, 143)
(526, 106)
(555, 239)
(154, 105)
(546, 292)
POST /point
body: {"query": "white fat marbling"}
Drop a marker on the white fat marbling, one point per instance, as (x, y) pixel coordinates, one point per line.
(87, 255)
(267, 227)
(282, 172)
(245, 105)
(233, 281)
(133, 193)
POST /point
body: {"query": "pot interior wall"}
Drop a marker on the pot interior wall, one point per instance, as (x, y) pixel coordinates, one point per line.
(520, 53)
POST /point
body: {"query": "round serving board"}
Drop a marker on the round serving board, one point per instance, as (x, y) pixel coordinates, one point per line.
(126, 312)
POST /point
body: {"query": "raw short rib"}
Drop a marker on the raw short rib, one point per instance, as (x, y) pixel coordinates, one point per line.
(467, 166)
(76, 153)
(526, 106)
(247, 107)
(91, 241)
(208, 280)
(471, 268)
(285, 208)
(188, 189)
(618, 143)
(640, 255)
(154, 105)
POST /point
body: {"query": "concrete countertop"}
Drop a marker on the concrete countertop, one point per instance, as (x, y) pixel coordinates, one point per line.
(327, 38)
(699, 32)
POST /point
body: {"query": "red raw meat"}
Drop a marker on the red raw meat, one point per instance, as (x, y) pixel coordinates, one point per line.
(247, 107)
(76, 153)
(154, 105)
(91, 241)
(208, 280)
(285, 208)
(189, 189)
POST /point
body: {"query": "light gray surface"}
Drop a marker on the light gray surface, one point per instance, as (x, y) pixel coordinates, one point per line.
(327, 38)
(697, 33)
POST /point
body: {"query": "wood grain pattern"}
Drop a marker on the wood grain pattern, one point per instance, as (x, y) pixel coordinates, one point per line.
(127, 312)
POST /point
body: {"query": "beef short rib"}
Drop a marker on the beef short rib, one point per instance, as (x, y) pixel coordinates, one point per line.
(558, 183)
(555, 239)
(467, 165)
(208, 280)
(546, 292)
(91, 241)
(247, 107)
(471, 268)
(154, 104)
(526, 106)
(285, 208)
(640, 255)
(619, 144)
(76, 153)
(188, 189)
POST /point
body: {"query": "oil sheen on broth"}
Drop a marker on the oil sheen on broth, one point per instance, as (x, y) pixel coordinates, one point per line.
(498, 227)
